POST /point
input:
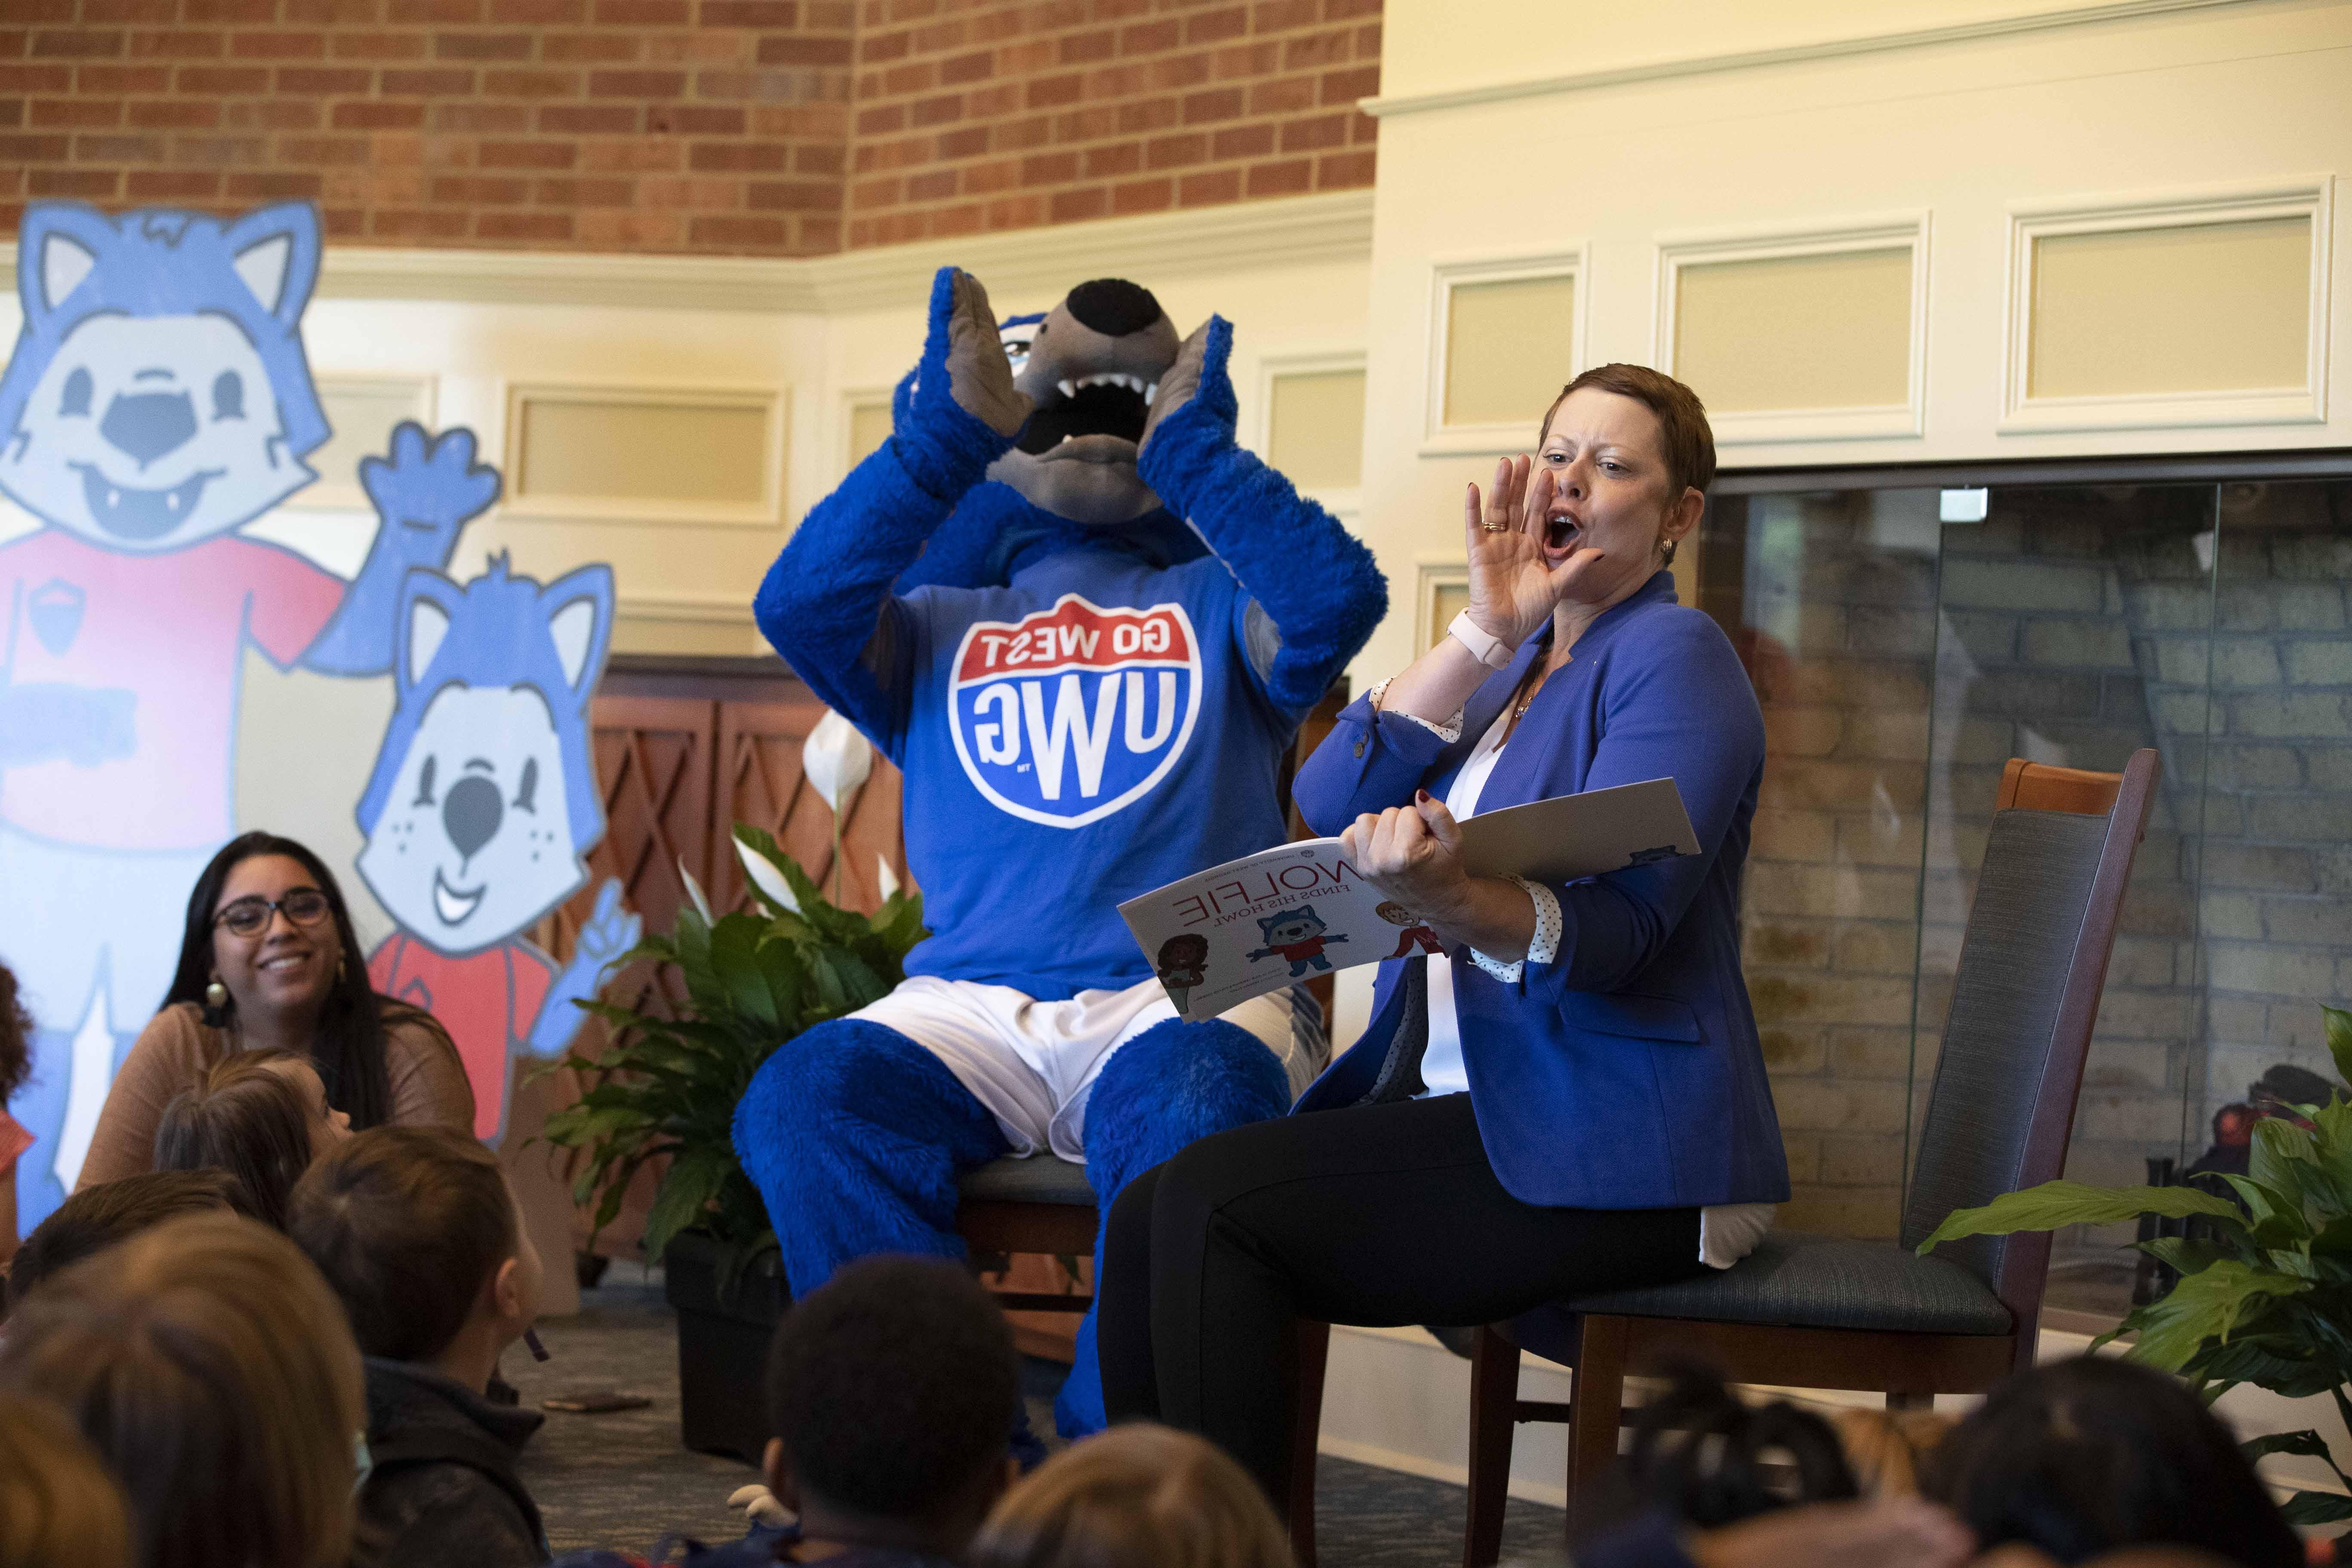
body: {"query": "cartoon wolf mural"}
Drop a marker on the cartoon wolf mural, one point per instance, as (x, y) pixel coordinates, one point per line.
(158, 399)
(484, 800)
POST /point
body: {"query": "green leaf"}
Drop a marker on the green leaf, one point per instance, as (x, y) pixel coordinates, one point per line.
(2308, 1444)
(2055, 1204)
(686, 1189)
(2205, 1306)
(2315, 1508)
(2182, 1253)
(2339, 1040)
(2279, 1219)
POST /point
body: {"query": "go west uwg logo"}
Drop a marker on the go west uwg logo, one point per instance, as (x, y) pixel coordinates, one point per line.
(1068, 714)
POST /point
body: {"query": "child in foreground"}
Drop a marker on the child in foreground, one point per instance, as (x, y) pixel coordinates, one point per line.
(416, 1231)
(263, 1116)
(1140, 1496)
(211, 1368)
(58, 1504)
(96, 1219)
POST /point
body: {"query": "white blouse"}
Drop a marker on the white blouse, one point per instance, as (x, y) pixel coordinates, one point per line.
(1726, 1232)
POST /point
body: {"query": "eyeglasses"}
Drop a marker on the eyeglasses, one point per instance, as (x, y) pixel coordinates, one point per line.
(250, 917)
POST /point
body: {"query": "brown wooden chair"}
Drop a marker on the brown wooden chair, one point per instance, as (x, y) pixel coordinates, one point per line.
(1816, 1311)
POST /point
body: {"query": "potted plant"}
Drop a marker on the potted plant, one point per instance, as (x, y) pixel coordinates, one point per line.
(666, 1087)
(2265, 1294)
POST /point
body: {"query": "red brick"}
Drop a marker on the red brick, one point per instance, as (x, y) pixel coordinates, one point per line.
(334, 12)
(343, 223)
(12, 111)
(170, 186)
(526, 155)
(1143, 197)
(429, 13)
(1049, 169)
(1343, 170)
(1016, 212)
(881, 121)
(1280, 15)
(89, 185)
(227, 80)
(76, 113)
(1285, 95)
(603, 192)
(1344, 87)
(174, 114)
(1218, 103)
(738, 233)
(1076, 207)
(271, 114)
(1241, 141)
(1316, 51)
(278, 45)
(480, 190)
(118, 149)
(589, 48)
(1290, 178)
(1175, 152)
(76, 45)
(482, 45)
(376, 46)
(1151, 37)
(481, 119)
(636, 84)
(631, 230)
(523, 225)
(736, 158)
(445, 81)
(261, 12)
(318, 80)
(931, 185)
(1209, 187)
(421, 224)
(37, 79)
(701, 120)
(1214, 26)
(800, 51)
(777, 14)
(178, 44)
(35, 149)
(529, 84)
(325, 151)
(793, 195)
(643, 13)
(1053, 92)
(1315, 135)
(103, 11)
(875, 49)
(1152, 114)
(538, 13)
(278, 185)
(1244, 61)
(368, 116)
(636, 154)
(588, 120)
(978, 65)
(1086, 48)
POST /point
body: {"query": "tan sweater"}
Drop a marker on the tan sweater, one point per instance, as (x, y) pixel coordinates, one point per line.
(175, 1049)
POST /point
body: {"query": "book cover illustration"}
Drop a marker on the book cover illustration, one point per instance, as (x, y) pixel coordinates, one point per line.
(1250, 926)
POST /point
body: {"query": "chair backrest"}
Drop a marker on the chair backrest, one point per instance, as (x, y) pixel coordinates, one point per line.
(2024, 998)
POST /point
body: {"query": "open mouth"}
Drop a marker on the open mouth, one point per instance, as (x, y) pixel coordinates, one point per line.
(1562, 532)
(128, 513)
(1111, 405)
(453, 906)
(279, 962)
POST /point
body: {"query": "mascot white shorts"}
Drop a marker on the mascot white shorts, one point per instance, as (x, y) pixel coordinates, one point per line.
(1033, 1063)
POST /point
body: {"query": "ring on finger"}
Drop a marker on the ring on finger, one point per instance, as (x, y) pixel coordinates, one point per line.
(1494, 527)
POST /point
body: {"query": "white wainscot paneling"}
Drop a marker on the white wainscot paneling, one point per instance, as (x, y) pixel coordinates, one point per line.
(1476, 408)
(1798, 328)
(361, 410)
(1322, 451)
(2190, 311)
(649, 455)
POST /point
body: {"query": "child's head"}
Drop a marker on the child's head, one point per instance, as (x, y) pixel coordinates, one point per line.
(415, 1229)
(259, 1115)
(94, 1219)
(1140, 1496)
(58, 1504)
(2084, 1456)
(891, 1388)
(212, 1369)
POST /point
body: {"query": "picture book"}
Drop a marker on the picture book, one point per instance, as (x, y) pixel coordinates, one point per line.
(1219, 937)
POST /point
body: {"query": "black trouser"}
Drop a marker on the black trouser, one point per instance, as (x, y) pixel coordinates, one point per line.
(1379, 1215)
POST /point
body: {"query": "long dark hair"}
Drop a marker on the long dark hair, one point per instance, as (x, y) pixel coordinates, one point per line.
(349, 1048)
(2085, 1457)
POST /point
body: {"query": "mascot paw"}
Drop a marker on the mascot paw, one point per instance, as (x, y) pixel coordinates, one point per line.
(760, 1505)
(965, 343)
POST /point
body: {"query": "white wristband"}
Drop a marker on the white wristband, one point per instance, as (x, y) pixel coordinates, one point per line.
(1488, 651)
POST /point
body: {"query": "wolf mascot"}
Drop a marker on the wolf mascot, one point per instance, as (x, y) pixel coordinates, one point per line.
(1089, 699)
(157, 400)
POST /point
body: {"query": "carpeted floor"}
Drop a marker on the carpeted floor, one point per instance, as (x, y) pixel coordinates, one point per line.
(621, 1479)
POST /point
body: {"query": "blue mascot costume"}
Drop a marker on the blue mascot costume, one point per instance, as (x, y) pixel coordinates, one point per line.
(1089, 699)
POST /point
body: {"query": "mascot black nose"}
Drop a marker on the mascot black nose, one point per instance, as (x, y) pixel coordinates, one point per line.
(470, 814)
(146, 424)
(1113, 306)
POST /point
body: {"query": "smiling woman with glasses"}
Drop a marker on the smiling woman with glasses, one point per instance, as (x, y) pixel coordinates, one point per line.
(270, 961)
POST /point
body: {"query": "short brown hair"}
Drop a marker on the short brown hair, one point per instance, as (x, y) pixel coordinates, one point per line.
(58, 1504)
(1141, 1496)
(94, 1219)
(1685, 440)
(244, 1117)
(211, 1368)
(407, 1224)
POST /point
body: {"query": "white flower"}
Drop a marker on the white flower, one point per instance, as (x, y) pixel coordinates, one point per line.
(884, 876)
(693, 891)
(837, 759)
(766, 877)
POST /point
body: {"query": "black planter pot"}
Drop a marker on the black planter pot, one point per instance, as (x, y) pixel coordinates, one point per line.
(722, 1344)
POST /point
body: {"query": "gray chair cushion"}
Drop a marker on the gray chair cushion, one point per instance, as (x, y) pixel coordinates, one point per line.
(1793, 1279)
(1041, 1178)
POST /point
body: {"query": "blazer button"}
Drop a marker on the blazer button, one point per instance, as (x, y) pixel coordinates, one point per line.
(1359, 748)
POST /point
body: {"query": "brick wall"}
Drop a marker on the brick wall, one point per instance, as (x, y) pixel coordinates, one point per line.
(765, 127)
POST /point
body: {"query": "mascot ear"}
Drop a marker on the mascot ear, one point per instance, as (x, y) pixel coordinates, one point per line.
(428, 604)
(276, 251)
(579, 610)
(58, 247)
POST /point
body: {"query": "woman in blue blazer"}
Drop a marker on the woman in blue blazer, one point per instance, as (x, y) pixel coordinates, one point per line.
(1574, 1099)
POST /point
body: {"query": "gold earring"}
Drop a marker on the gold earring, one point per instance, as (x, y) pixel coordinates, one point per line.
(216, 995)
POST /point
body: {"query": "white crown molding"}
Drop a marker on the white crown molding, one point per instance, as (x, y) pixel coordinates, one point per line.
(1793, 53)
(1334, 226)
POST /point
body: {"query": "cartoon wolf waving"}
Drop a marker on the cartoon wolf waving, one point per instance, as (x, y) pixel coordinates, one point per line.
(157, 400)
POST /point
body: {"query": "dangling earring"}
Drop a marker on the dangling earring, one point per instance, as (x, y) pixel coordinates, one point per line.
(216, 1004)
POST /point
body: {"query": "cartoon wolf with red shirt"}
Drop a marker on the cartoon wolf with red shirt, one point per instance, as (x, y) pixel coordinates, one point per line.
(157, 400)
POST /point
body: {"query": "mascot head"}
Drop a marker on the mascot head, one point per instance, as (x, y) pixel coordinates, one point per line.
(1091, 364)
(158, 395)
